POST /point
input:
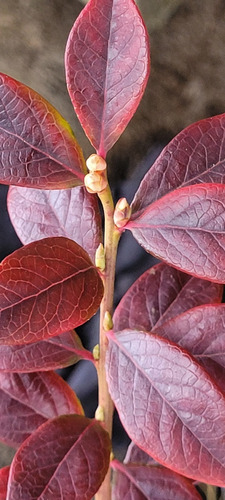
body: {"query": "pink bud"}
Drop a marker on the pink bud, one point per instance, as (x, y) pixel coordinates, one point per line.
(122, 213)
(96, 163)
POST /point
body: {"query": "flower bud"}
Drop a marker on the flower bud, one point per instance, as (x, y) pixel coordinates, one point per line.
(122, 213)
(95, 182)
(95, 163)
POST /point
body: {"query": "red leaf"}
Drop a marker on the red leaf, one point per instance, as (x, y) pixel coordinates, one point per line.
(46, 288)
(73, 458)
(28, 400)
(196, 155)
(161, 293)
(37, 146)
(4, 475)
(185, 228)
(57, 352)
(107, 67)
(201, 331)
(137, 456)
(145, 482)
(73, 213)
(122, 487)
(176, 412)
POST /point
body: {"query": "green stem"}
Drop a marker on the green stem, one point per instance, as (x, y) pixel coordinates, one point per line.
(211, 492)
(111, 240)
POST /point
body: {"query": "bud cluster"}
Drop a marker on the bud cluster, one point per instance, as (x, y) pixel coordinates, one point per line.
(96, 180)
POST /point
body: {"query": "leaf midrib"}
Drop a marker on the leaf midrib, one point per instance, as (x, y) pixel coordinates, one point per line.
(46, 289)
(74, 171)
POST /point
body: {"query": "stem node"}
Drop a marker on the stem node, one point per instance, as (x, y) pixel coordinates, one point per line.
(122, 213)
(100, 414)
(100, 257)
(96, 352)
(107, 321)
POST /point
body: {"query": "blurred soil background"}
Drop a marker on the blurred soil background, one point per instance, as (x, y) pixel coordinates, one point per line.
(187, 81)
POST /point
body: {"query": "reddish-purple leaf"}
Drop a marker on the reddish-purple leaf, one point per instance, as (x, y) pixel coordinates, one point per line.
(73, 213)
(29, 399)
(136, 455)
(161, 293)
(4, 475)
(122, 487)
(65, 459)
(168, 404)
(37, 146)
(185, 228)
(107, 68)
(201, 331)
(46, 288)
(52, 354)
(145, 482)
(196, 155)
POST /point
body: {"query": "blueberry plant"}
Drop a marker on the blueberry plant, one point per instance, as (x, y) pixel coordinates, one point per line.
(161, 356)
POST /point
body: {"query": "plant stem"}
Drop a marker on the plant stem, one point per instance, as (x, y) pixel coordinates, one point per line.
(111, 240)
(211, 492)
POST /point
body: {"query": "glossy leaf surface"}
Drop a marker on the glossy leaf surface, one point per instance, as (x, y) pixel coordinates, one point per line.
(28, 400)
(136, 455)
(107, 67)
(37, 146)
(4, 474)
(185, 228)
(176, 411)
(196, 155)
(74, 469)
(57, 352)
(46, 288)
(145, 482)
(73, 213)
(201, 331)
(161, 293)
